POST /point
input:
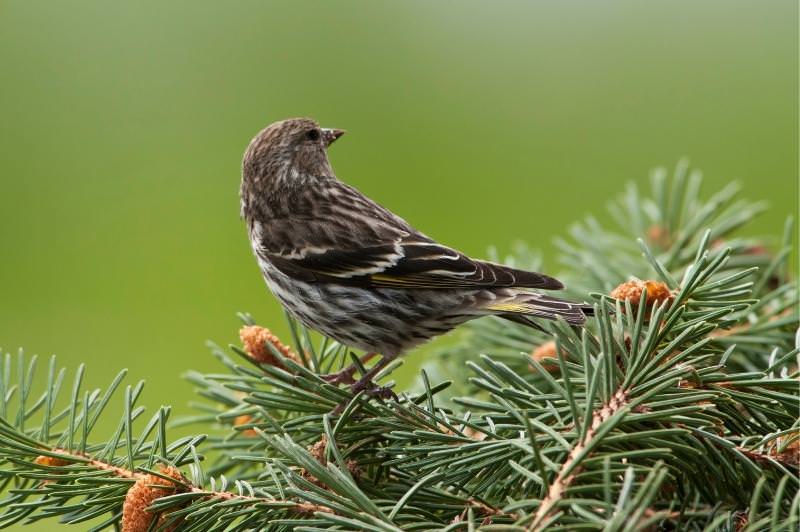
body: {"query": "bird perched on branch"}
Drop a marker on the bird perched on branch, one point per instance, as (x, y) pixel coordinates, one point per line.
(359, 274)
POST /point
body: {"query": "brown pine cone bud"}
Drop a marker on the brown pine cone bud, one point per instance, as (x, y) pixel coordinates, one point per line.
(51, 461)
(756, 250)
(790, 454)
(469, 432)
(148, 488)
(255, 339)
(317, 450)
(244, 419)
(659, 235)
(476, 435)
(632, 291)
(546, 355)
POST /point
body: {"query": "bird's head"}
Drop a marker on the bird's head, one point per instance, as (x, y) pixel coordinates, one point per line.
(290, 149)
(285, 156)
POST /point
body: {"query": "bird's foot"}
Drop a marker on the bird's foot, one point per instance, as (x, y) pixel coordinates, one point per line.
(370, 389)
(345, 376)
(365, 384)
(373, 390)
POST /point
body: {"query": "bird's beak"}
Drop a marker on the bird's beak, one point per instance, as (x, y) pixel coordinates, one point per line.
(330, 135)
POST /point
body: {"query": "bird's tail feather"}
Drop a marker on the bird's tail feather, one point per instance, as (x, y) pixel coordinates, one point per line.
(523, 307)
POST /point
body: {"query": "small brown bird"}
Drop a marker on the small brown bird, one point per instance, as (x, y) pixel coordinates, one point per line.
(352, 270)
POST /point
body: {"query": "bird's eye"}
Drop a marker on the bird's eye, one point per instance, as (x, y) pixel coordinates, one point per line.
(313, 134)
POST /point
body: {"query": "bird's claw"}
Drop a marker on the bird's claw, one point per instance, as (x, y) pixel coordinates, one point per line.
(382, 392)
(373, 390)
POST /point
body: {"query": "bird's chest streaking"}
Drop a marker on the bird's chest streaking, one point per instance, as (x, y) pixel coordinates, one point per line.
(382, 320)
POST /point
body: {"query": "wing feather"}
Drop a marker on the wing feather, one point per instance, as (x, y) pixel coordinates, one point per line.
(376, 248)
(407, 264)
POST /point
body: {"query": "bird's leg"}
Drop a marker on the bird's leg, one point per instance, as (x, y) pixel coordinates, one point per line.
(345, 376)
(365, 382)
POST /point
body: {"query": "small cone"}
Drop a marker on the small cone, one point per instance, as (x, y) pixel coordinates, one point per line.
(546, 355)
(255, 339)
(632, 291)
(135, 517)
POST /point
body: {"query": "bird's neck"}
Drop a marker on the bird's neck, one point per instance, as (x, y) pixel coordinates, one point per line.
(282, 194)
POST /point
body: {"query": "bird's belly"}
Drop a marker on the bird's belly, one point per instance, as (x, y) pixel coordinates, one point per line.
(387, 321)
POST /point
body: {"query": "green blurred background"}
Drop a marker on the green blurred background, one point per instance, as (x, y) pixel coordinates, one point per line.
(122, 126)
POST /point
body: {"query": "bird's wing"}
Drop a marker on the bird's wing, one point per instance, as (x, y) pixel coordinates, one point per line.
(426, 264)
(353, 240)
(409, 261)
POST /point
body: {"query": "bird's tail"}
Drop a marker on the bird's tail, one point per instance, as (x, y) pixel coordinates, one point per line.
(524, 306)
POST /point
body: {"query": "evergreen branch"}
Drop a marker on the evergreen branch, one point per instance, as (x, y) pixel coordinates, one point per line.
(676, 408)
(602, 421)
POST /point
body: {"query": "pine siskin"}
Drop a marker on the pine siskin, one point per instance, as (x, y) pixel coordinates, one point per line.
(352, 270)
